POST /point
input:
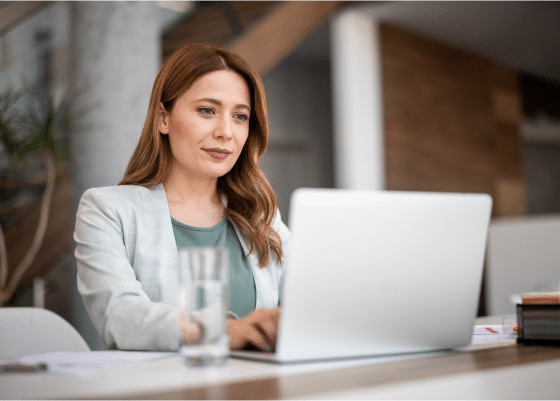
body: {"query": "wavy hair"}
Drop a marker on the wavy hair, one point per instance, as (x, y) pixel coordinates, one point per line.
(251, 202)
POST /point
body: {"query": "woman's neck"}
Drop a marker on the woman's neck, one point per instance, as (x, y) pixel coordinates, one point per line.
(194, 202)
(191, 190)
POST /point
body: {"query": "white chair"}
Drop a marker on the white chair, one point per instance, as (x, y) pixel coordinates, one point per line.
(30, 331)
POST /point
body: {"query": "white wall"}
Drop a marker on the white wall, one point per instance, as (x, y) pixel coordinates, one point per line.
(522, 253)
(300, 150)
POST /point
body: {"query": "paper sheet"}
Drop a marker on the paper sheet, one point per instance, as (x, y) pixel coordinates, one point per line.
(83, 363)
(489, 333)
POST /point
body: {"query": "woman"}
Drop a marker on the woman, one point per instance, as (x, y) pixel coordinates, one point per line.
(192, 180)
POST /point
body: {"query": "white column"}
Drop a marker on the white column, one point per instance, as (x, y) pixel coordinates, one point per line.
(357, 101)
(115, 59)
(116, 56)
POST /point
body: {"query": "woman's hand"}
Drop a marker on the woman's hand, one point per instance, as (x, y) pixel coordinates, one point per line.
(190, 332)
(258, 328)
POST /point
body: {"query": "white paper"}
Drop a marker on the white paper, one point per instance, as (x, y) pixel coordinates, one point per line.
(83, 363)
(489, 333)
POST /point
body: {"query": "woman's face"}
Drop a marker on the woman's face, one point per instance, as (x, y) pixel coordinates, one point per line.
(208, 125)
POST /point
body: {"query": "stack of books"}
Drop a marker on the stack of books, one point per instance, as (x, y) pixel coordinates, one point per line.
(538, 318)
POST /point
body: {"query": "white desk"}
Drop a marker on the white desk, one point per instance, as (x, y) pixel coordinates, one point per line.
(504, 371)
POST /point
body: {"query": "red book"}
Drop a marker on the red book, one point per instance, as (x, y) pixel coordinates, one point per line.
(540, 297)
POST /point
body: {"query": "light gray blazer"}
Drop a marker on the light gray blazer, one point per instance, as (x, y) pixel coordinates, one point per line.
(127, 267)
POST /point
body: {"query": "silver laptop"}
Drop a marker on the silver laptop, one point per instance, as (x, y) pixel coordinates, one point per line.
(379, 272)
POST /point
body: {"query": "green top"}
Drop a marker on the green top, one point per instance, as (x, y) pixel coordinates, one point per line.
(242, 291)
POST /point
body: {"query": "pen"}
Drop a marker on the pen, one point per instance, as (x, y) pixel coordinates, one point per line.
(23, 367)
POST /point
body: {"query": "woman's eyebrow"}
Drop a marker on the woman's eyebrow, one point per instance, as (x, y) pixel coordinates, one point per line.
(219, 103)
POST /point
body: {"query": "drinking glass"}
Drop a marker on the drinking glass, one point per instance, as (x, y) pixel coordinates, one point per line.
(203, 279)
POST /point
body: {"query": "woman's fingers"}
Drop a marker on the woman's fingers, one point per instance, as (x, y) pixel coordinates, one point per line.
(258, 328)
(268, 326)
(257, 338)
(243, 333)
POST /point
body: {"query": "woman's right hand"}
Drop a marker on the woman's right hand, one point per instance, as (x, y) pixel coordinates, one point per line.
(258, 328)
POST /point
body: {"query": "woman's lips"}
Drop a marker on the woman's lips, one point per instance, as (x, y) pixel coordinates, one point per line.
(218, 153)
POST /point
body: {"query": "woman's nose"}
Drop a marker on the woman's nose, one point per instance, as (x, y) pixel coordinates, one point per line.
(224, 128)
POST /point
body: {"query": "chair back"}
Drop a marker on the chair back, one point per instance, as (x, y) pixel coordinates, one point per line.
(30, 331)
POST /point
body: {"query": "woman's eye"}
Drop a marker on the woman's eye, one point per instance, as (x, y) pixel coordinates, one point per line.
(207, 111)
(241, 117)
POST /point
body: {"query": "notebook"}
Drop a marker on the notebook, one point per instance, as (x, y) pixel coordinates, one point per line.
(379, 272)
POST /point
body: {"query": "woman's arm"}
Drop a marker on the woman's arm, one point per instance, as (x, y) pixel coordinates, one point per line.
(117, 304)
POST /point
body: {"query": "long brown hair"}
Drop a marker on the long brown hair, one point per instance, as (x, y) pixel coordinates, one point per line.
(251, 201)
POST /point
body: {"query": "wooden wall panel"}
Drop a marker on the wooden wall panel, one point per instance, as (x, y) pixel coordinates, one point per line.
(451, 121)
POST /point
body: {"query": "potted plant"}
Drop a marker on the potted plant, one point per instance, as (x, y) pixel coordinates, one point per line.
(32, 156)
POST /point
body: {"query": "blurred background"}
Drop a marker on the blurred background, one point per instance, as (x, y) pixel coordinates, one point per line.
(423, 96)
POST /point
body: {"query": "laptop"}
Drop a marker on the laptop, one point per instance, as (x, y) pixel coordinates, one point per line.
(373, 273)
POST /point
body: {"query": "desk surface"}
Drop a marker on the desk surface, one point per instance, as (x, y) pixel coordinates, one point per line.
(378, 380)
(502, 370)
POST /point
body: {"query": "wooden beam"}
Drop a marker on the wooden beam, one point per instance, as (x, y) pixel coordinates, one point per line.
(281, 31)
(13, 12)
(210, 25)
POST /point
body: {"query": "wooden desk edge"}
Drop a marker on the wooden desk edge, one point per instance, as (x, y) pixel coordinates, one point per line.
(301, 385)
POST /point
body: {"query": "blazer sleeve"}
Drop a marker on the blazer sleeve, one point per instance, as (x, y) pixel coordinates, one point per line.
(119, 308)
